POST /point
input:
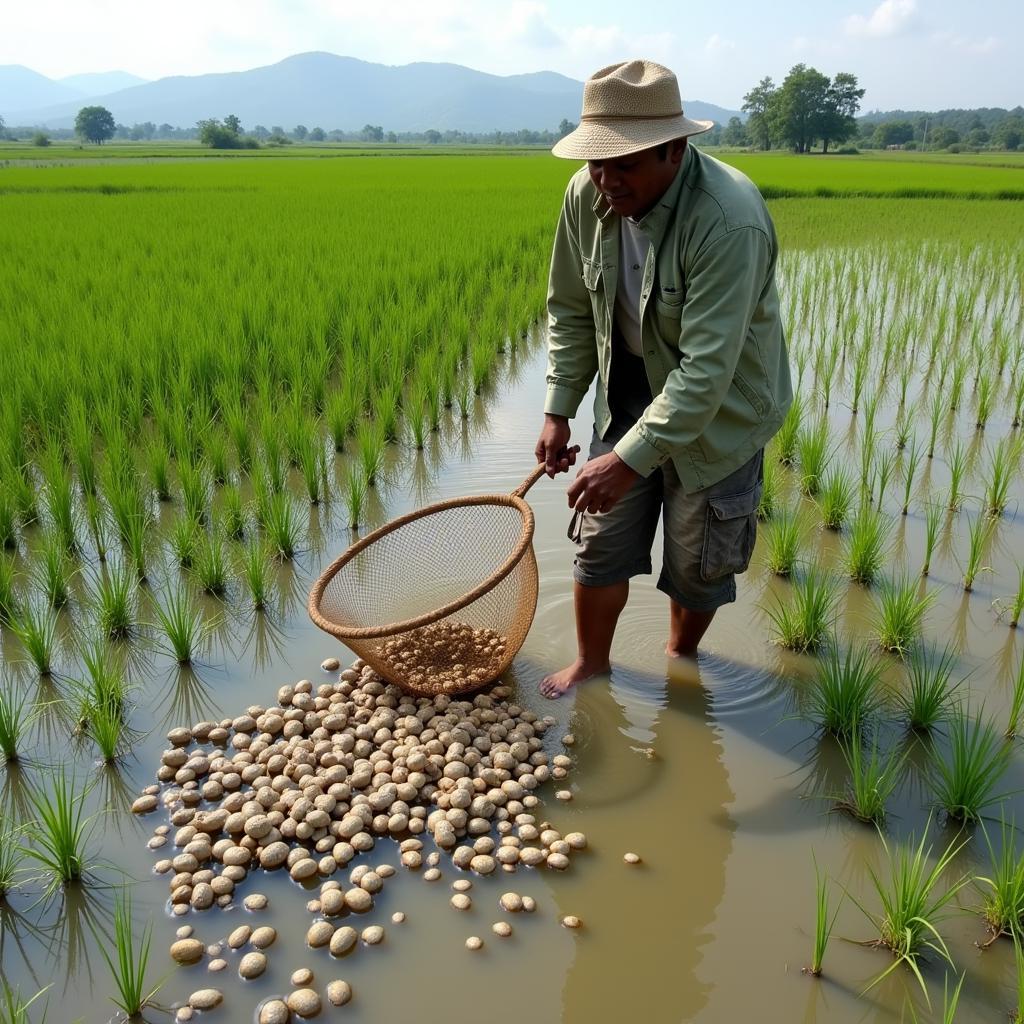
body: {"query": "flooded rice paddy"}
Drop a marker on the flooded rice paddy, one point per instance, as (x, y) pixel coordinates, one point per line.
(713, 774)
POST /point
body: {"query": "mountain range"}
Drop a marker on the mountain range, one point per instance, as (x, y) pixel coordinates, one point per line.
(315, 89)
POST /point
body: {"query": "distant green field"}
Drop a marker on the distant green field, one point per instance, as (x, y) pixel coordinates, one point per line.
(783, 175)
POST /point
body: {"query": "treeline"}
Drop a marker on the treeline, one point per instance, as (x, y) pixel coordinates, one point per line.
(982, 128)
(99, 126)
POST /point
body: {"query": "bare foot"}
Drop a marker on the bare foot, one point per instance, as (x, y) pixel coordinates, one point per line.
(554, 685)
(679, 652)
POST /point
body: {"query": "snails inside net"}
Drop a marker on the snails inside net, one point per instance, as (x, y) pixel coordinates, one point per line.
(419, 568)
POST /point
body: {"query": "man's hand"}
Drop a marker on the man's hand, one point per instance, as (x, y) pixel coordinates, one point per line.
(600, 484)
(553, 446)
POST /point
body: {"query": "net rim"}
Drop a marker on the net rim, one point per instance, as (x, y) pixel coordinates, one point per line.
(343, 632)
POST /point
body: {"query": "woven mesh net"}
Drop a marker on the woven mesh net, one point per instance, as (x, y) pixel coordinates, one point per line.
(419, 569)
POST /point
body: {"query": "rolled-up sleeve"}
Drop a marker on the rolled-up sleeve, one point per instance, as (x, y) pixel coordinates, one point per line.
(572, 344)
(724, 287)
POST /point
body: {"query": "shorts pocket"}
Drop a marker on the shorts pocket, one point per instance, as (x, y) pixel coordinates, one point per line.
(730, 530)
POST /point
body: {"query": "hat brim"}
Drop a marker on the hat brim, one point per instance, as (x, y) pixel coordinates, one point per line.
(606, 139)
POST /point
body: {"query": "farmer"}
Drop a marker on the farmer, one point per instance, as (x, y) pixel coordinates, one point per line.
(662, 285)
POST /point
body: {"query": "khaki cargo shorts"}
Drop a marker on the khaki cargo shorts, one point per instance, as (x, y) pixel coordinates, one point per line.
(708, 534)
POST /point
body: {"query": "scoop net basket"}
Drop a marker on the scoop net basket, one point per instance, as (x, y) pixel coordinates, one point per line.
(439, 600)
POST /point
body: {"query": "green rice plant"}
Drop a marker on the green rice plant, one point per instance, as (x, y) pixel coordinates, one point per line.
(836, 497)
(913, 900)
(14, 721)
(784, 537)
(957, 473)
(158, 465)
(116, 603)
(1014, 605)
(1003, 888)
(965, 784)
(209, 564)
(932, 522)
(96, 518)
(355, 496)
(36, 628)
(216, 455)
(60, 832)
(872, 780)
(929, 695)
(182, 626)
(845, 694)
(8, 593)
(1004, 460)
(108, 729)
(10, 863)
(911, 460)
(314, 471)
(979, 533)
(232, 515)
(257, 573)
(60, 502)
(899, 615)
(986, 396)
(1018, 402)
(130, 961)
(105, 684)
(788, 438)
(936, 412)
(770, 487)
(867, 543)
(239, 430)
(370, 444)
(184, 540)
(8, 522)
(1016, 703)
(805, 622)
(54, 572)
(823, 923)
(281, 524)
(815, 455)
(884, 468)
(902, 430)
(956, 383)
(13, 1007)
(868, 448)
(341, 413)
(195, 490)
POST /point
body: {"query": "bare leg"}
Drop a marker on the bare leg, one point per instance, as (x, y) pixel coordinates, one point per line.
(686, 629)
(597, 612)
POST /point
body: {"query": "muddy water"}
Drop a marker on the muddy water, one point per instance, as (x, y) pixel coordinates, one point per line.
(709, 774)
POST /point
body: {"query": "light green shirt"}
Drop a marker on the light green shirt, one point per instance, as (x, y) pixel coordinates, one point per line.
(711, 331)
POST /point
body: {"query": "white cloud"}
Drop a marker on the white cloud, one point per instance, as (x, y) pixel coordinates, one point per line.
(889, 18)
(716, 44)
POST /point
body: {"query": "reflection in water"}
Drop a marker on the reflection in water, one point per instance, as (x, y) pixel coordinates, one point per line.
(186, 698)
(658, 916)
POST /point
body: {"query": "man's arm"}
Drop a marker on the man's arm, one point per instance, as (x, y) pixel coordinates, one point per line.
(724, 287)
(572, 344)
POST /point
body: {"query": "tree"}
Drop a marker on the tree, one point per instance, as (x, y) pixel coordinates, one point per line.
(391, 137)
(432, 136)
(943, 137)
(261, 132)
(3, 128)
(892, 133)
(219, 136)
(95, 124)
(1009, 133)
(372, 133)
(300, 131)
(565, 126)
(803, 102)
(839, 118)
(40, 139)
(317, 135)
(734, 134)
(760, 103)
(233, 125)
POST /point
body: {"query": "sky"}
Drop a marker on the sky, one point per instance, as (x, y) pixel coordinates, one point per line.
(909, 54)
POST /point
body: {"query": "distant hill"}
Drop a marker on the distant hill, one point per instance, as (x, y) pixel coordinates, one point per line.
(325, 90)
(23, 89)
(99, 83)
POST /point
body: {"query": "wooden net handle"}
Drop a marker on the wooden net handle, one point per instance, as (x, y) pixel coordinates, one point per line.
(538, 472)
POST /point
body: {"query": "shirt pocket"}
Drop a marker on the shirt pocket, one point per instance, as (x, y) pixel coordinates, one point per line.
(668, 310)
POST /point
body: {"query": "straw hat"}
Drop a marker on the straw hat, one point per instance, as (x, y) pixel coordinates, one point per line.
(627, 107)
